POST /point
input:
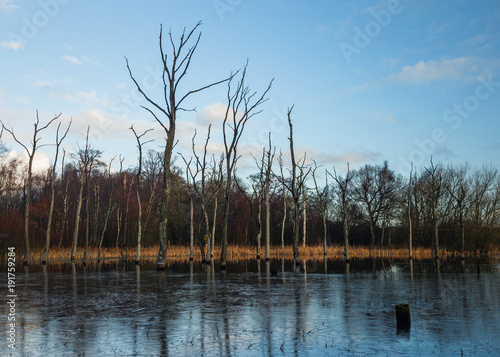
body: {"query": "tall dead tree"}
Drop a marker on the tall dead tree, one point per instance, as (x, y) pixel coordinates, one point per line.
(343, 185)
(84, 157)
(282, 179)
(321, 196)
(255, 197)
(205, 191)
(108, 209)
(138, 190)
(65, 198)
(410, 228)
(35, 145)
(242, 105)
(52, 192)
(174, 70)
(216, 178)
(295, 184)
(269, 157)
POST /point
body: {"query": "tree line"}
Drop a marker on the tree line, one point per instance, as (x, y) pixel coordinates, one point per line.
(80, 202)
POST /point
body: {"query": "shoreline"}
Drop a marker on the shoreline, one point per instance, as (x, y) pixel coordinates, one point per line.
(178, 253)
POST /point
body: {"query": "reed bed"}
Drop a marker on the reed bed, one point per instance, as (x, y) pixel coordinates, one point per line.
(236, 252)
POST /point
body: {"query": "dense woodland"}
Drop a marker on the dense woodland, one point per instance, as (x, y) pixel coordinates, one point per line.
(377, 202)
(198, 200)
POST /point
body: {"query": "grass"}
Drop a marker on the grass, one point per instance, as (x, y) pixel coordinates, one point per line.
(236, 252)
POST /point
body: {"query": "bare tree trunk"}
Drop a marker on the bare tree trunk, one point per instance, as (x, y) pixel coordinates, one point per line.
(372, 230)
(31, 154)
(324, 233)
(85, 159)
(52, 193)
(343, 186)
(410, 229)
(436, 230)
(294, 188)
(87, 223)
(213, 228)
(127, 206)
(304, 219)
(139, 225)
(462, 232)
(65, 211)
(173, 71)
(284, 219)
(191, 227)
(259, 219)
(268, 222)
(269, 162)
(346, 233)
(108, 213)
(239, 111)
(119, 215)
(77, 218)
(208, 235)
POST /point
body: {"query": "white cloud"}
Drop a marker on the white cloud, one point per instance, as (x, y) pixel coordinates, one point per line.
(13, 45)
(41, 161)
(80, 60)
(91, 97)
(7, 5)
(213, 113)
(70, 59)
(463, 69)
(426, 72)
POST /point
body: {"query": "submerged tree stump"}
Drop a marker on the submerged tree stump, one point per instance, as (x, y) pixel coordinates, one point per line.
(403, 317)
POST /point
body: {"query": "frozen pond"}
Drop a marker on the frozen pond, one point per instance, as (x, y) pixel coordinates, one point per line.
(266, 310)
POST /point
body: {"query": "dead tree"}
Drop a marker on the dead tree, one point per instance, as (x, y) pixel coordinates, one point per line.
(296, 182)
(65, 198)
(84, 159)
(216, 178)
(410, 228)
(92, 157)
(343, 189)
(256, 196)
(241, 106)
(194, 193)
(269, 156)
(206, 191)
(109, 209)
(52, 192)
(138, 190)
(321, 196)
(35, 144)
(174, 70)
(282, 179)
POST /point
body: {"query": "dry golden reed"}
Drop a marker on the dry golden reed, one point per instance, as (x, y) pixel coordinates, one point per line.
(236, 252)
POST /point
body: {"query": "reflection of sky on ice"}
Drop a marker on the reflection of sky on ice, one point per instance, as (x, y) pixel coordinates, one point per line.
(150, 313)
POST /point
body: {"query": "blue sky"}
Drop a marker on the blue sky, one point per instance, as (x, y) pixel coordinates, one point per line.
(371, 80)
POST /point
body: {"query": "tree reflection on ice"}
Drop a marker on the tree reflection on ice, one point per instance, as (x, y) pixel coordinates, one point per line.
(194, 309)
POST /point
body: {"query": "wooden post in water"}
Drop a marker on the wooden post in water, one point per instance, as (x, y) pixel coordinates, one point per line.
(403, 317)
